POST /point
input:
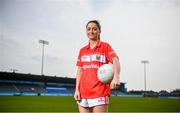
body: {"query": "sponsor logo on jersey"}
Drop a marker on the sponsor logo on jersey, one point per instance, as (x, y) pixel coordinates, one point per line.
(94, 57)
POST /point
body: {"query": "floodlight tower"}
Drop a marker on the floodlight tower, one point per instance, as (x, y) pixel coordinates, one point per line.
(43, 42)
(13, 70)
(145, 62)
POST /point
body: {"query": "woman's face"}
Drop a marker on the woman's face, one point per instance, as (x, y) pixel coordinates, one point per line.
(92, 31)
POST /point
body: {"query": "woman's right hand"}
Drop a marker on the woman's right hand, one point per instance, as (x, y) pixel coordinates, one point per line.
(77, 95)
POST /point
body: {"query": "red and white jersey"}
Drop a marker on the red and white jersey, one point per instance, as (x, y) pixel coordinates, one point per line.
(90, 60)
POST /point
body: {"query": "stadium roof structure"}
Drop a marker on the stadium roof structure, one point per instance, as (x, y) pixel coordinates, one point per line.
(33, 77)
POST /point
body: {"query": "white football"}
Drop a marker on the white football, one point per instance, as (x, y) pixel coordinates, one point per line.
(105, 73)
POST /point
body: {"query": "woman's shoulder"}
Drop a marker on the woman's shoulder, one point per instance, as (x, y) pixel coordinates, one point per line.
(105, 43)
(84, 47)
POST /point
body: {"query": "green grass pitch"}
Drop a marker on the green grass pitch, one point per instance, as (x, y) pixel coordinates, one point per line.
(68, 104)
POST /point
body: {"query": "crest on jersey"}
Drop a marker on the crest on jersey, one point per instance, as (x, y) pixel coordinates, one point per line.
(98, 57)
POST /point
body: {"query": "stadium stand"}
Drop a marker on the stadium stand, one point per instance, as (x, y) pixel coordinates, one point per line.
(20, 84)
(28, 84)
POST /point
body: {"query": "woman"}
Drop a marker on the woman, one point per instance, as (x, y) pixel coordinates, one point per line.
(91, 94)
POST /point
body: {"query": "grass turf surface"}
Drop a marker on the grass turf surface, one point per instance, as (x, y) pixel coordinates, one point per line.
(68, 104)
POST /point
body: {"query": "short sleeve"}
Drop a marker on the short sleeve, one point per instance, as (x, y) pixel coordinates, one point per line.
(110, 53)
(79, 62)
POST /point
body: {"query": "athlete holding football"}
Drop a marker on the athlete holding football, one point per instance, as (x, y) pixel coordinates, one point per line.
(92, 95)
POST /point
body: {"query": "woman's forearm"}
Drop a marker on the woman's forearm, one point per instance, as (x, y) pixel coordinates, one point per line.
(78, 77)
(116, 68)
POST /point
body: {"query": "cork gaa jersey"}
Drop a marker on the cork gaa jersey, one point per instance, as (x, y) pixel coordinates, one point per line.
(90, 60)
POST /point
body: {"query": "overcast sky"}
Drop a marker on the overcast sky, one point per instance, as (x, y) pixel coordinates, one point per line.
(136, 29)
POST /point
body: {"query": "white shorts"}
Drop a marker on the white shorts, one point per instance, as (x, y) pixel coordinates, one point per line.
(93, 102)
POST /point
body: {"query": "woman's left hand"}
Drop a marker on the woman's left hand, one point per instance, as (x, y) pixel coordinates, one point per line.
(115, 83)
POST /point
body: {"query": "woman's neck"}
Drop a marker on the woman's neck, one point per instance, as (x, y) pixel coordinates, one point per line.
(93, 43)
